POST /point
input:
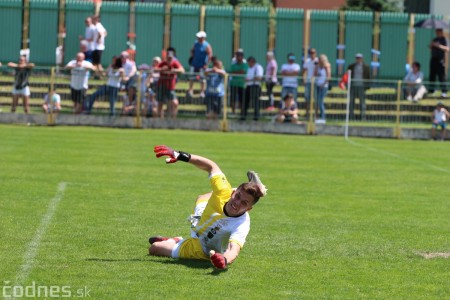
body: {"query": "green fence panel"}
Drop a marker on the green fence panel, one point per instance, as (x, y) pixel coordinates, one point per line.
(255, 32)
(422, 40)
(43, 31)
(149, 31)
(11, 33)
(115, 19)
(184, 26)
(393, 45)
(289, 33)
(358, 36)
(324, 34)
(76, 13)
(219, 28)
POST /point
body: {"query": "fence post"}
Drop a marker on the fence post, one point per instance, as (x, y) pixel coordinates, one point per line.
(202, 17)
(398, 130)
(224, 122)
(26, 24)
(137, 119)
(376, 42)
(166, 42)
(272, 28)
(98, 5)
(411, 40)
(237, 29)
(61, 29)
(51, 116)
(307, 32)
(311, 129)
(341, 49)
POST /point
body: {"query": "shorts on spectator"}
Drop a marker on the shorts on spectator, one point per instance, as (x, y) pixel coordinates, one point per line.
(200, 73)
(214, 104)
(97, 57)
(77, 95)
(132, 82)
(163, 94)
(442, 124)
(21, 92)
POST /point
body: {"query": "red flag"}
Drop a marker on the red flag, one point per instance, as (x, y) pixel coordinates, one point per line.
(344, 81)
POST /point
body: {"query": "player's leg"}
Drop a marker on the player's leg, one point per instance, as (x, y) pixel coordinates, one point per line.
(163, 248)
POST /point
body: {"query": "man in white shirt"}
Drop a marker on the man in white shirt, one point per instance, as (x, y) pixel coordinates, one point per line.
(415, 90)
(79, 70)
(290, 72)
(130, 79)
(255, 73)
(99, 43)
(89, 38)
(308, 68)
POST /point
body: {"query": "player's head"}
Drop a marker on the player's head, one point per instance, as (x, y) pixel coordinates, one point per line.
(243, 198)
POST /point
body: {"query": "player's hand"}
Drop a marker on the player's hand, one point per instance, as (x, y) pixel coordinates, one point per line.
(218, 260)
(162, 150)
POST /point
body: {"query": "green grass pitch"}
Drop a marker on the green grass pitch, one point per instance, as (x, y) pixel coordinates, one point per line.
(342, 219)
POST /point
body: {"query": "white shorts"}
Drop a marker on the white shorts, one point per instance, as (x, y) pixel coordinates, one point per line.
(24, 92)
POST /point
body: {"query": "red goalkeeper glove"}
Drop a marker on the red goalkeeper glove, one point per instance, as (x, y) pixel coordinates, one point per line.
(173, 156)
(218, 260)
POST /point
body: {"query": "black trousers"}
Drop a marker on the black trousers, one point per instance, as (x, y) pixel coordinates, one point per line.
(252, 94)
(437, 69)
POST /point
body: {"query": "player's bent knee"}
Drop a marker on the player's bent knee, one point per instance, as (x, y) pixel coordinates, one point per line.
(162, 248)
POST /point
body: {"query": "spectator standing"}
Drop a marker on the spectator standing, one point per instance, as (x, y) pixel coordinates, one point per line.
(89, 38)
(271, 78)
(237, 82)
(359, 84)
(439, 47)
(168, 70)
(415, 90)
(253, 80)
(201, 54)
(323, 75)
(309, 67)
(288, 112)
(439, 118)
(290, 72)
(214, 89)
(79, 70)
(130, 77)
(100, 34)
(151, 81)
(111, 89)
(21, 87)
(53, 104)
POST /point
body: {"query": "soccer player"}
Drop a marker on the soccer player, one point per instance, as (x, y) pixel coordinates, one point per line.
(221, 231)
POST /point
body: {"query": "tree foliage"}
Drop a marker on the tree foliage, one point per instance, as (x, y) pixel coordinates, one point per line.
(372, 5)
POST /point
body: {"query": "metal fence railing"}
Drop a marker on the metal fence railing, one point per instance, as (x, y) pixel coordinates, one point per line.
(392, 104)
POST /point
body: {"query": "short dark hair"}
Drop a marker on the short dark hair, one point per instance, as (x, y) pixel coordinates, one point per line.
(417, 64)
(253, 189)
(251, 58)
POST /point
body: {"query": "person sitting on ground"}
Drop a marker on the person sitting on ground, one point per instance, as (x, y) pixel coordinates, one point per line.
(53, 105)
(288, 112)
(415, 90)
(439, 118)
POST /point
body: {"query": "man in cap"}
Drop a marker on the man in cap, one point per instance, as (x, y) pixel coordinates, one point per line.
(201, 54)
(290, 72)
(360, 76)
(438, 47)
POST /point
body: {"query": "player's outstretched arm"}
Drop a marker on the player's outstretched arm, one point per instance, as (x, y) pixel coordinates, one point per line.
(196, 160)
(221, 261)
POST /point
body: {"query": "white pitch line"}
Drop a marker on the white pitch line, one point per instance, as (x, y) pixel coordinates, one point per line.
(417, 162)
(28, 259)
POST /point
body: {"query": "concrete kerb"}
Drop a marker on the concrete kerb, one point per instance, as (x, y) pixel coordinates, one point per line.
(213, 125)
